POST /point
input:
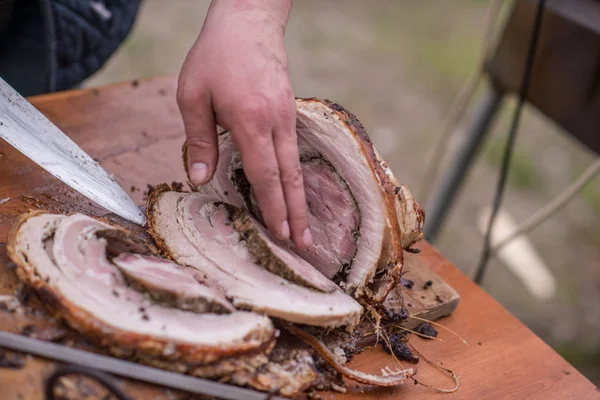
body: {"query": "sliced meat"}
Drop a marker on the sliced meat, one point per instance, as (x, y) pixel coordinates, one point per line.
(196, 231)
(172, 284)
(62, 258)
(275, 258)
(360, 217)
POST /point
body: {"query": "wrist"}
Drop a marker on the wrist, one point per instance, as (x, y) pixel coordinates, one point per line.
(266, 14)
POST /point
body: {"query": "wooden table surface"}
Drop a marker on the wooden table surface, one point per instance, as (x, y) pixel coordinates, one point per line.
(135, 131)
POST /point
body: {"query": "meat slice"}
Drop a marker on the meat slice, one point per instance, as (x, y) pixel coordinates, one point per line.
(195, 230)
(63, 259)
(275, 258)
(172, 284)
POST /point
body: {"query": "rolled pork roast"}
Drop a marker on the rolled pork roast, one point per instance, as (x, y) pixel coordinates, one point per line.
(211, 294)
(361, 218)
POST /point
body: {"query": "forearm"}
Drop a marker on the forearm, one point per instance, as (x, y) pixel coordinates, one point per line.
(269, 14)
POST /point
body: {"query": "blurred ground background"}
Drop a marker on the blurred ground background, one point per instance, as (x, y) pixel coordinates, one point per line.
(398, 65)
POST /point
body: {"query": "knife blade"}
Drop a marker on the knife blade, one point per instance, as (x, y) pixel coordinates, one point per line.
(30, 132)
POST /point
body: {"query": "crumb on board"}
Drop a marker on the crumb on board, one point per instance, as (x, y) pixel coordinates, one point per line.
(407, 283)
(12, 361)
(426, 329)
(399, 348)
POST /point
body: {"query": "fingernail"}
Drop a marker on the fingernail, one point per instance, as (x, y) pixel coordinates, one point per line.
(285, 230)
(307, 238)
(198, 173)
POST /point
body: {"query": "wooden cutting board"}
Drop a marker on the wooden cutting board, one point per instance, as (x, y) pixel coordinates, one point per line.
(134, 129)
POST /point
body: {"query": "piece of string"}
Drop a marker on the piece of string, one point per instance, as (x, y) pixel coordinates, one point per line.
(454, 389)
(104, 379)
(439, 326)
(418, 333)
(512, 134)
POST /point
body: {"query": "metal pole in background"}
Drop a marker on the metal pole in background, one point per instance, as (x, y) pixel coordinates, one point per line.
(460, 162)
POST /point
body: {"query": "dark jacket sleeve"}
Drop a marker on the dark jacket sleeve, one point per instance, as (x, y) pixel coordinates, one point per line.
(52, 45)
(6, 9)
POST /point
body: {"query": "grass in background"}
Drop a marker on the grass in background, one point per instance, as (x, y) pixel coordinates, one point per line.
(440, 52)
(591, 194)
(523, 173)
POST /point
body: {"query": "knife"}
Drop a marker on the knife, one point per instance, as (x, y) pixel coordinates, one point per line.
(129, 369)
(30, 132)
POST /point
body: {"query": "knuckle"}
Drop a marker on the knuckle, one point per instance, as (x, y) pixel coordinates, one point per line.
(260, 138)
(293, 177)
(287, 111)
(255, 109)
(187, 95)
(262, 174)
(265, 179)
(264, 110)
(200, 143)
(299, 219)
(271, 175)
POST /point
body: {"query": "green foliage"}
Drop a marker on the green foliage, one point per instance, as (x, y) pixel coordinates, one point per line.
(523, 173)
(591, 194)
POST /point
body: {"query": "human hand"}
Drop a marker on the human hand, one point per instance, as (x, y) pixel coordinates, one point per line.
(236, 75)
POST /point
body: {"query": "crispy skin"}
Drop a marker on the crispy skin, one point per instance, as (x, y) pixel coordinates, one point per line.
(151, 202)
(411, 216)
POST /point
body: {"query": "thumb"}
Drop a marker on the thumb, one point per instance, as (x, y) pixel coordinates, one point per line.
(202, 149)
